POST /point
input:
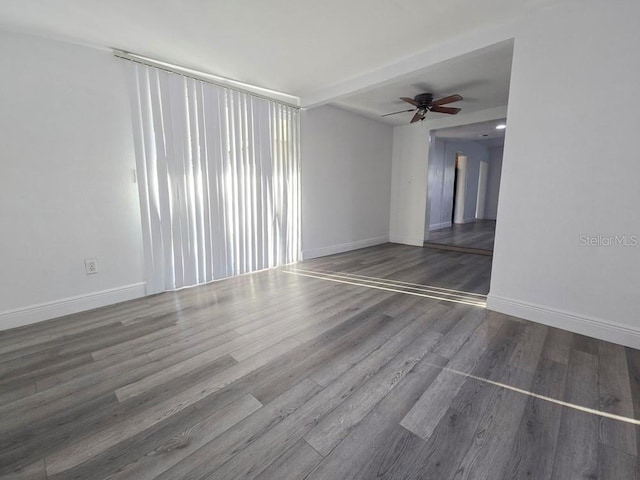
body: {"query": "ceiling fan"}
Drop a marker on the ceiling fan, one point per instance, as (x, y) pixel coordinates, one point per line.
(424, 103)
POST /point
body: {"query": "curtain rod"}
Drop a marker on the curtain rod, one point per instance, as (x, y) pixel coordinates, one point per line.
(272, 95)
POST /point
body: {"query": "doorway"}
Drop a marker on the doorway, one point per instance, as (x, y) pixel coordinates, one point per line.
(465, 165)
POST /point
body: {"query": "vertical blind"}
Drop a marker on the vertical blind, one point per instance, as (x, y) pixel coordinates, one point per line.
(218, 177)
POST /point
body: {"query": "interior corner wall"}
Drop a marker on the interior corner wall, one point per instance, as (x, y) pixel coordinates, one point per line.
(566, 250)
(66, 184)
(493, 182)
(345, 181)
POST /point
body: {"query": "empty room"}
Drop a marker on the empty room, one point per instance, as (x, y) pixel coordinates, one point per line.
(319, 240)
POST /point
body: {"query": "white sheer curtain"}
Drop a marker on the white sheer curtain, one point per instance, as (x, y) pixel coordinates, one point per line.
(218, 179)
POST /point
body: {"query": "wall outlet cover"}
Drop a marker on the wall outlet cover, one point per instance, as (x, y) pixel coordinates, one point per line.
(91, 266)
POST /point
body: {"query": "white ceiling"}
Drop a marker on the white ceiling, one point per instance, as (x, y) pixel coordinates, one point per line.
(297, 47)
(481, 77)
(483, 132)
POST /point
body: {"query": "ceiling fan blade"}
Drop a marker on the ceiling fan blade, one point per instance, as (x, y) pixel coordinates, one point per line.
(418, 116)
(401, 111)
(445, 100)
(449, 110)
(410, 100)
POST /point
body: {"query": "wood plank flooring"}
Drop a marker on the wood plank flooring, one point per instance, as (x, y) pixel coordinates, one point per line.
(478, 235)
(378, 363)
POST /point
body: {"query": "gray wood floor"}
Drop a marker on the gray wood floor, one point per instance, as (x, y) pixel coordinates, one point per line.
(479, 234)
(369, 364)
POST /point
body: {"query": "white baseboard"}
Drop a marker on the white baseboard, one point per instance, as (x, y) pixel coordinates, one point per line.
(66, 306)
(438, 226)
(592, 327)
(413, 241)
(343, 247)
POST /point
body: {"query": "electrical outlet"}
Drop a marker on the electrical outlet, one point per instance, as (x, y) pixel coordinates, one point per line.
(91, 266)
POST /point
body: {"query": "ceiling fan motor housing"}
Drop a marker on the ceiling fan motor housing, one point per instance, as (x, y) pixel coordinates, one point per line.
(424, 99)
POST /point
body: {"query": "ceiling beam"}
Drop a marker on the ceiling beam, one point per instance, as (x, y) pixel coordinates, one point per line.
(463, 45)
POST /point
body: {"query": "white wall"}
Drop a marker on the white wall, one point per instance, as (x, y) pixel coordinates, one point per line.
(493, 182)
(66, 184)
(567, 172)
(439, 188)
(346, 181)
(572, 172)
(409, 184)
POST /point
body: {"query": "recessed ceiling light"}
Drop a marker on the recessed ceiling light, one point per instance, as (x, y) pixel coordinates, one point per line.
(502, 126)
